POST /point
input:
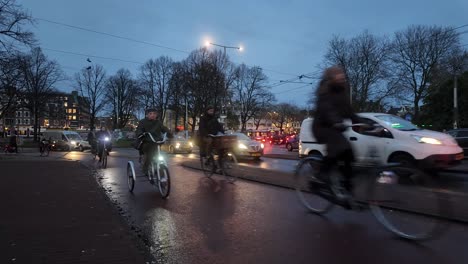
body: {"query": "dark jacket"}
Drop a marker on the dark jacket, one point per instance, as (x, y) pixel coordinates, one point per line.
(332, 107)
(155, 127)
(209, 125)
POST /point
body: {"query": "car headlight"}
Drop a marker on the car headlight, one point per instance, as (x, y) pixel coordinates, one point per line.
(427, 140)
(106, 139)
(160, 158)
(242, 146)
(177, 145)
(73, 142)
(191, 144)
(262, 145)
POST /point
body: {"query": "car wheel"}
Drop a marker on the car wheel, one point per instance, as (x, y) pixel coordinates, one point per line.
(81, 148)
(404, 159)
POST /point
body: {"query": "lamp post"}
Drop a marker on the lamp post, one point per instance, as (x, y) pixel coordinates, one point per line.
(224, 54)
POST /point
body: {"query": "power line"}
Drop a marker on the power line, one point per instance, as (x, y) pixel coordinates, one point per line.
(93, 56)
(137, 41)
(293, 89)
(112, 35)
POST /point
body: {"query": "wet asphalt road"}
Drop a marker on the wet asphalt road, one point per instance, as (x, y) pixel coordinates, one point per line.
(212, 221)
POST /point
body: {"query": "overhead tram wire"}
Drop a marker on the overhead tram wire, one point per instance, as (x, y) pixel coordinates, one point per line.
(92, 56)
(135, 40)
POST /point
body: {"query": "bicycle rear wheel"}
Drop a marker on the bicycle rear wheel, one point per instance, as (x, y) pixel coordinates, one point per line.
(164, 181)
(404, 200)
(207, 165)
(307, 186)
(230, 167)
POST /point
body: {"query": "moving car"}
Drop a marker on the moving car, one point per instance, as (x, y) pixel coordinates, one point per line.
(292, 143)
(247, 147)
(178, 144)
(461, 136)
(65, 140)
(398, 141)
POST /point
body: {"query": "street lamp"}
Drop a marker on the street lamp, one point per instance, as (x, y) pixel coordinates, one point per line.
(224, 47)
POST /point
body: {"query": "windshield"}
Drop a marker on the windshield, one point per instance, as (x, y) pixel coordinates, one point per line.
(398, 123)
(73, 136)
(241, 136)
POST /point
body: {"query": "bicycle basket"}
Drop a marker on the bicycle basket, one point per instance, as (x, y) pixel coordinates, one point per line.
(224, 142)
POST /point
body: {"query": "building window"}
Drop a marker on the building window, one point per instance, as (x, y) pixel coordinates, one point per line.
(26, 114)
(65, 104)
(18, 114)
(18, 121)
(74, 117)
(74, 111)
(26, 121)
(69, 117)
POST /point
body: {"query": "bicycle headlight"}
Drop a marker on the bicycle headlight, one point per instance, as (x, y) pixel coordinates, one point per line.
(106, 139)
(427, 140)
(160, 158)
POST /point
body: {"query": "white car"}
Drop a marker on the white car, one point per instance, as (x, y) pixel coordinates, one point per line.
(399, 141)
(246, 147)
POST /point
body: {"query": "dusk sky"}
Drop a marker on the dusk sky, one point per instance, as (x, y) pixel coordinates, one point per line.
(285, 38)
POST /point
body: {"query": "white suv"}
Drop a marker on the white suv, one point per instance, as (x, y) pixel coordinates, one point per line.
(400, 141)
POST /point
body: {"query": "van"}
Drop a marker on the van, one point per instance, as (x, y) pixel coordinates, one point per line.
(399, 141)
(65, 140)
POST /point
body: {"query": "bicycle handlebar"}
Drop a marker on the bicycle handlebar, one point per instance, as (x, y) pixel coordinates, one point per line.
(152, 138)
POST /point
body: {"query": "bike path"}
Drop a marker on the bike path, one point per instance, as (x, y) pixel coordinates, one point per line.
(55, 212)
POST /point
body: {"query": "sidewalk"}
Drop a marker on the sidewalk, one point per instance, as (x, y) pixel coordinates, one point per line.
(60, 215)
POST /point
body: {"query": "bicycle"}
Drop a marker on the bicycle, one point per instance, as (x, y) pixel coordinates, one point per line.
(157, 173)
(44, 148)
(104, 152)
(221, 157)
(394, 195)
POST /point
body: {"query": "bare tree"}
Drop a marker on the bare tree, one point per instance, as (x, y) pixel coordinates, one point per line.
(39, 75)
(365, 61)
(9, 76)
(250, 92)
(12, 22)
(417, 51)
(91, 82)
(205, 82)
(284, 113)
(155, 76)
(121, 94)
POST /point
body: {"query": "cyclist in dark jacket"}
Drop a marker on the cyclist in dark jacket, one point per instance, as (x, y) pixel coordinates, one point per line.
(209, 124)
(332, 107)
(156, 128)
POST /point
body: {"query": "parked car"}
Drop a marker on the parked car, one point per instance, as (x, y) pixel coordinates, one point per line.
(247, 147)
(399, 141)
(461, 136)
(178, 144)
(292, 143)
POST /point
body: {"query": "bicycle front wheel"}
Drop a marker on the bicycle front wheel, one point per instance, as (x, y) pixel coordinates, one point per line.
(104, 159)
(130, 176)
(230, 166)
(405, 201)
(307, 186)
(164, 181)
